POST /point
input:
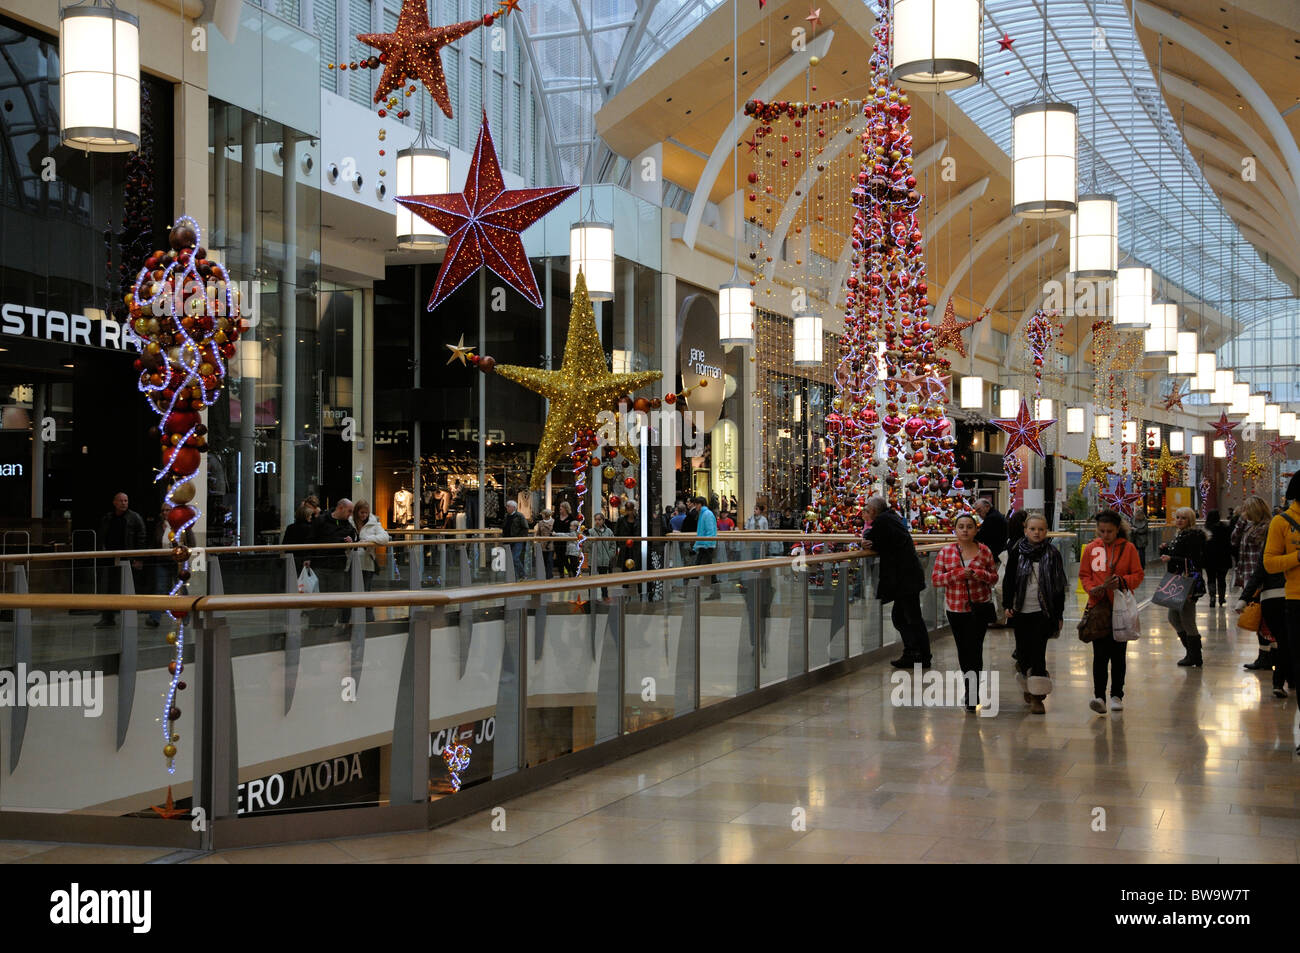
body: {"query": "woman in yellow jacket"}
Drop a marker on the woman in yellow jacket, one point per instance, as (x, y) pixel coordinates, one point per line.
(1282, 555)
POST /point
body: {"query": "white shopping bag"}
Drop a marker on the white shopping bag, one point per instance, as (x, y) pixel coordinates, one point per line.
(1126, 625)
(307, 581)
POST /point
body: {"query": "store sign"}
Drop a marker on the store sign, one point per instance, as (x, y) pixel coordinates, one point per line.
(349, 779)
(11, 469)
(39, 324)
(471, 434)
(701, 357)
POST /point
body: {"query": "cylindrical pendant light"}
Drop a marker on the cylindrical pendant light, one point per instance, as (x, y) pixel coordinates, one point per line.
(591, 249)
(1172, 367)
(1074, 419)
(1286, 424)
(937, 44)
(420, 171)
(1222, 393)
(1101, 427)
(807, 340)
(1009, 402)
(736, 313)
(99, 78)
(1272, 415)
(1130, 431)
(1185, 358)
(1176, 441)
(1240, 405)
(972, 393)
(1220, 449)
(1198, 445)
(1203, 382)
(1043, 149)
(1133, 296)
(1094, 237)
(1161, 337)
(1044, 409)
(1258, 402)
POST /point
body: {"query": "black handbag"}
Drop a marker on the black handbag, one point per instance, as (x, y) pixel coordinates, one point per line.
(983, 611)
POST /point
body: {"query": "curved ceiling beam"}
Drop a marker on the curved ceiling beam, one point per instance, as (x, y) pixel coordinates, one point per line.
(803, 188)
(1201, 46)
(1261, 195)
(631, 43)
(979, 248)
(950, 208)
(1249, 138)
(926, 159)
(1034, 304)
(1277, 244)
(984, 331)
(781, 77)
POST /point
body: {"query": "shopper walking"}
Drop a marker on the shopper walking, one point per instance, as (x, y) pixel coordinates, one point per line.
(543, 530)
(966, 571)
(565, 525)
(1110, 564)
(330, 565)
(1249, 536)
(1282, 555)
(1218, 556)
(1185, 554)
(514, 526)
(121, 529)
(602, 548)
(369, 530)
(1141, 534)
(1268, 590)
(706, 543)
(1033, 595)
(902, 579)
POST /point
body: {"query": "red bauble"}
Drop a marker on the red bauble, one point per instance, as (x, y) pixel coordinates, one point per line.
(178, 516)
(185, 462)
(630, 482)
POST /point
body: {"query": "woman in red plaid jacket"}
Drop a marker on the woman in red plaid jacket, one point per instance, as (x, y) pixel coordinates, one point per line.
(966, 571)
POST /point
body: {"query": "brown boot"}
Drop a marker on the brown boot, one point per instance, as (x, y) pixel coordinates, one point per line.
(1036, 706)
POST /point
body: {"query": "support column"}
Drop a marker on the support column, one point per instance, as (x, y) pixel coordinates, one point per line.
(289, 332)
(416, 489)
(38, 450)
(248, 386)
(482, 404)
(546, 404)
(668, 347)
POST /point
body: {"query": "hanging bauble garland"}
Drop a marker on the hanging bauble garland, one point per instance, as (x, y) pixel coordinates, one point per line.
(185, 314)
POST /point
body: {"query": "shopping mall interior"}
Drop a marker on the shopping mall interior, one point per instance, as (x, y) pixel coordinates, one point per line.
(625, 431)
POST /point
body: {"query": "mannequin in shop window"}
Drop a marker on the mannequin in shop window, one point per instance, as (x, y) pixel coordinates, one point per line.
(403, 512)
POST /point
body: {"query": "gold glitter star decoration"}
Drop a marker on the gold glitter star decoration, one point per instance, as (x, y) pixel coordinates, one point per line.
(1175, 397)
(1167, 464)
(948, 334)
(1095, 469)
(1252, 469)
(459, 352)
(578, 391)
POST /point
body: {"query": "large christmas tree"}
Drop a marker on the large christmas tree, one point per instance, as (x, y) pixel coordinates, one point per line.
(891, 379)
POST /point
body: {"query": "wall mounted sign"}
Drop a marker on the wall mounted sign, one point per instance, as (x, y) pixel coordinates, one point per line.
(701, 357)
(20, 320)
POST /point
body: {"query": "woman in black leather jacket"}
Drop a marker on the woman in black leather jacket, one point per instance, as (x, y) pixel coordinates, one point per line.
(1185, 553)
(1269, 590)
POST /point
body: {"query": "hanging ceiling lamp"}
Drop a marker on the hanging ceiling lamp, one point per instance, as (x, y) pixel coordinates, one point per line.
(1161, 337)
(1198, 445)
(99, 78)
(1220, 449)
(1176, 441)
(1044, 152)
(1043, 408)
(972, 393)
(1272, 417)
(1074, 419)
(807, 340)
(1130, 431)
(1101, 427)
(1185, 354)
(1203, 382)
(1009, 401)
(937, 44)
(1133, 296)
(735, 297)
(1255, 415)
(591, 251)
(1222, 393)
(1240, 405)
(422, 169)
(1094, 237)
(1286, 424)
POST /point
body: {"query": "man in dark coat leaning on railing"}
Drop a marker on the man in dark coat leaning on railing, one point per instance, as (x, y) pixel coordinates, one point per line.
(902, 579)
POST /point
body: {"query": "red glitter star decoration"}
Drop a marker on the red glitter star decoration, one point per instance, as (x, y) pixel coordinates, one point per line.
(752, 143)
(814, 16)
(483, 223)
(948, 334)
(1175, 397)
(1277, 447)
(413, 51)
(1223, 427)
(1022, 430)
(1119, 498)
(1005, 43)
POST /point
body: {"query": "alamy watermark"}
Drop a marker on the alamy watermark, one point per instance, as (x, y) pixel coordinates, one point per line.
(20, 688)
(915, 688)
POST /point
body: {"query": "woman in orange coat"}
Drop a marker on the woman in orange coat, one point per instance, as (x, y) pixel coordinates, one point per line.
(1109, 562)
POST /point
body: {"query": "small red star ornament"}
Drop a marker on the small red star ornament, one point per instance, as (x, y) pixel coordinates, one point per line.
(814, 16)
(483, 222)
(1005, 43)
(1277, 447)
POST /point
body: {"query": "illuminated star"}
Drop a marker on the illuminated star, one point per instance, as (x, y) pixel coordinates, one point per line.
(483, 222)
(948, 334)
(1118, 497)
(1022, 430)
(1005, 43)
(169, 809)
(814, 16)
(1175, 397)
(459, 352)
(579, 390)
(1168, 464)
(1223, 427)
(1095, 469)
(413, 50)
(1277, 447)
(507, 7)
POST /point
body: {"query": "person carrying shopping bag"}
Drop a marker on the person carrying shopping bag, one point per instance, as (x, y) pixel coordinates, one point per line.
(1033, 597)
(1184, 556)
(1110, 565)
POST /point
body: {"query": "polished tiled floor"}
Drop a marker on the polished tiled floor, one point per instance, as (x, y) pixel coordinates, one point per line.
(1199, 767)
